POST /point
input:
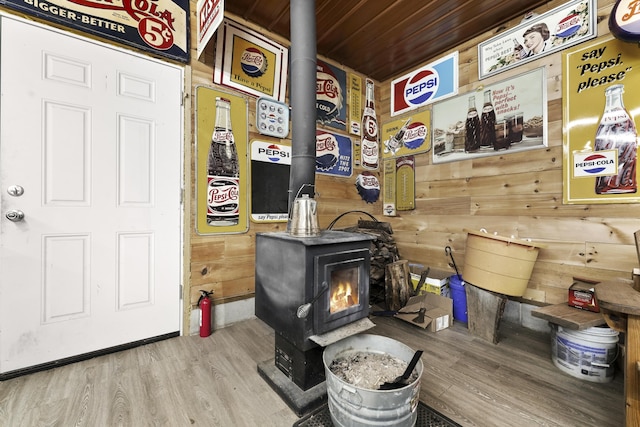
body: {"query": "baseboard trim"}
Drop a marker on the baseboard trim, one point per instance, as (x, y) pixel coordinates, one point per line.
(86, 356)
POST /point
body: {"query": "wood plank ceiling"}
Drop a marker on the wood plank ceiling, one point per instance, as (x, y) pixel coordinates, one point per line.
(387, 38)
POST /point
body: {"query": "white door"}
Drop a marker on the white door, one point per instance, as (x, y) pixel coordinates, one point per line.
(92, 137)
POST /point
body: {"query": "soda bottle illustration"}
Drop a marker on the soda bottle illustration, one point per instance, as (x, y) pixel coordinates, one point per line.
(395, 142)
(472, 127)
(370, 146)
(487, 122)
(223, 171)
(617, 131)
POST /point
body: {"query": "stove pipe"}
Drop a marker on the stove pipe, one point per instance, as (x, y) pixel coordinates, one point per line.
(302, 98)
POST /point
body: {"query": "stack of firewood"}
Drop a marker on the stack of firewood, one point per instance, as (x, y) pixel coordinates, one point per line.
(383, 252)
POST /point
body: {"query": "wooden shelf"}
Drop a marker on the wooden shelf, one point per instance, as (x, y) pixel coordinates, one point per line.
(569, 317)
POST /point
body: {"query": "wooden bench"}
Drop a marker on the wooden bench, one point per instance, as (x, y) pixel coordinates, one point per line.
(569, 317)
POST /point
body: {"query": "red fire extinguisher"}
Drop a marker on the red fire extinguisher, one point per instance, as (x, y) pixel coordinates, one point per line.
(205, 313)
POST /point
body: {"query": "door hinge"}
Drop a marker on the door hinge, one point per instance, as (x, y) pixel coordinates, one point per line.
(181, 292)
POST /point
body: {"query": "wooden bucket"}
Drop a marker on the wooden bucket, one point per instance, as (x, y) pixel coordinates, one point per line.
(499, 264)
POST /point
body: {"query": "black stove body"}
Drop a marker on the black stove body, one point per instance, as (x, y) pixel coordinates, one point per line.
(293, 271)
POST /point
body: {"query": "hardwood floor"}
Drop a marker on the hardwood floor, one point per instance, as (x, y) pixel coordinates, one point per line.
(214, 381)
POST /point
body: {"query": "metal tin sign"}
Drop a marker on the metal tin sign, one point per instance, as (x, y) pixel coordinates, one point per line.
(435, 81)
(333, 154)
(600, 117)
(160, 27)
(270, 168)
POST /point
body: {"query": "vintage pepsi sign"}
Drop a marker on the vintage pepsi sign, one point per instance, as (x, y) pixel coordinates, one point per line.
(597, 163)
(569, 25)
(368, 187)
(330, 96)
(270, 170)
(415, 135)
(433, 82)
(253, 62)
(271, 153)
(624, 21)
(333, 154)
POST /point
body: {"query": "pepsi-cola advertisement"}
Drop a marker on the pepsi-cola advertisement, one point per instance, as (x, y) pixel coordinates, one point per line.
(334, 154)
(270, 167)
(503, 118)
(426, 85)
(331, 101)
(538, 36)
(249, 62)
(601, 117)
(222, 128)
(407, 136)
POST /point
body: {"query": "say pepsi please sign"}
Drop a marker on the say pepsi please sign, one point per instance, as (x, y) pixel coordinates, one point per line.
(434, 81)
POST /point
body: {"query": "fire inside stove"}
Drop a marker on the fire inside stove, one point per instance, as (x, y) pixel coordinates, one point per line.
(344, 289)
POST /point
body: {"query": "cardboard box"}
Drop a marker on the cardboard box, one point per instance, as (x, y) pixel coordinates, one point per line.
(438, 311)
(582, 295)
(436, 282)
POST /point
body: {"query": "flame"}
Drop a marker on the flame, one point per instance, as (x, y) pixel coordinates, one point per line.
(343, 296)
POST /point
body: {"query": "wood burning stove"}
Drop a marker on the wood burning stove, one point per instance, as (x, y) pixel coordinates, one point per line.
(330, 272)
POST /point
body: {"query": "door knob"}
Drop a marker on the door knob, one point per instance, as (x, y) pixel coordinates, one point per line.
(15, 215)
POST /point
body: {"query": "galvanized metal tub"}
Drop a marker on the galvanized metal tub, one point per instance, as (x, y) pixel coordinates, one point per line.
(352, 406)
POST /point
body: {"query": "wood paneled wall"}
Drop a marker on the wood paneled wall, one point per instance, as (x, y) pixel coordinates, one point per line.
(517, 194)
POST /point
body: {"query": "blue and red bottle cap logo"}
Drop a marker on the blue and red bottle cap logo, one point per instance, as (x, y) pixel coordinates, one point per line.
(421, 87)
(415, 135)
(368, 187)
(569, 25)
(327, 150)
(595, 158)
(253, 62)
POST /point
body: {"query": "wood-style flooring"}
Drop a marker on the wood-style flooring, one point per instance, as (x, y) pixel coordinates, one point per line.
(193, 381)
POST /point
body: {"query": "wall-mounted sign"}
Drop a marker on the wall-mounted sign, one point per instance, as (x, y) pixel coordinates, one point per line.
(504, 117)
(558, 29)
(426, 85)
(270, 168)
(333, 154)
(600, 115)
(249, 62)
(355, 103)
(331, 89)
(222, 129)
(210, 14)
(160, 27)
(624, 21)
(407, 136)
(399, 185)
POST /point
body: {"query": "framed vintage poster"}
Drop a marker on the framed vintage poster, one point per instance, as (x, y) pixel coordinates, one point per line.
(221, 183)
(249, 62)
(560, 28)
(601, 109)
(504, 117)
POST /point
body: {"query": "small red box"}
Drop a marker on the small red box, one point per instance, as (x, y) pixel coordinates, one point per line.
(583, 295)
